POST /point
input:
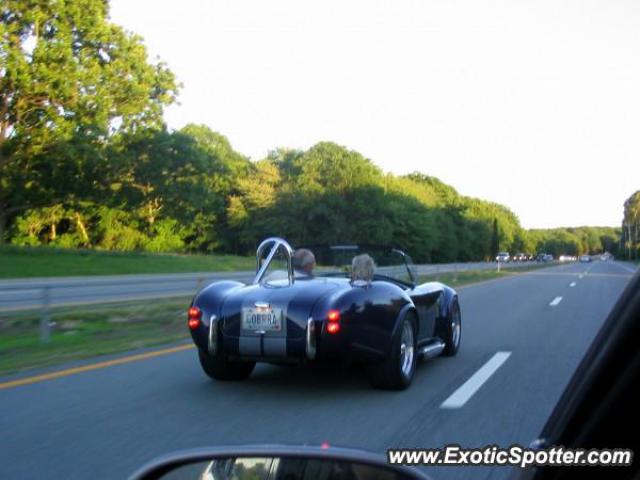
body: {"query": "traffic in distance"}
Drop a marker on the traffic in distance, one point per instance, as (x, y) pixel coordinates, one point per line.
(506, 257)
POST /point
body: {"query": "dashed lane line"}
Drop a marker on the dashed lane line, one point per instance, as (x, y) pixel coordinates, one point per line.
(555, 301)
(465, 391)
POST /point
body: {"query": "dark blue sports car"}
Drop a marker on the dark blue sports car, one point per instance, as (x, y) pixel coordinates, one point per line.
(386, 322)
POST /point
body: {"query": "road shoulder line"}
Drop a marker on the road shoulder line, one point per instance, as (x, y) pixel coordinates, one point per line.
(624, 267)
(92, 366)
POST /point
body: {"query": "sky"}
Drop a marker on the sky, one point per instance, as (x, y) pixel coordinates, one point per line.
(535, 105)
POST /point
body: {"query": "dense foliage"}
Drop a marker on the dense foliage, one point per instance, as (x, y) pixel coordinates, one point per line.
(85, 161)
(631, 226)
(190, 191)
(72, 85)
(576, 241)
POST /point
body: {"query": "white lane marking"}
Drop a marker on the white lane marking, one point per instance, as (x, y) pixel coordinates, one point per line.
(572, 284)
(465, 391)
(555, 301)
(580, 276)
(632, 270)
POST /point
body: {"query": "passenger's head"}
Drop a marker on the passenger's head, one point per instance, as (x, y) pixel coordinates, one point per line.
(304, 261)
(362, 268)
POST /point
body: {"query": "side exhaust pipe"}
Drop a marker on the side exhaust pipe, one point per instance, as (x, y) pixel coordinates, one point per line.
(431, 349)
(311, 339)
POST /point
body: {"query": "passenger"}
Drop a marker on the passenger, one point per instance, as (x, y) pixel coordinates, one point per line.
(304, 261)
(362, 268)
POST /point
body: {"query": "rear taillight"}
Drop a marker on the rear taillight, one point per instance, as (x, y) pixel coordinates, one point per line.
(333, 321)
(333, 327)
(195, 317)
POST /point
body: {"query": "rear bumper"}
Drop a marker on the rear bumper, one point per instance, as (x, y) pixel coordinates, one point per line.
(315, 346)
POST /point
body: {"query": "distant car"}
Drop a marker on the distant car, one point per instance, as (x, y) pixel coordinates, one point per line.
(520, 257)
(585, 258)
(547, 257)
(503, 257)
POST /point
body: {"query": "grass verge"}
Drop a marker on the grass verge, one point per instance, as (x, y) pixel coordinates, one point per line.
(21, 262)
(86, 332)
(464, 278)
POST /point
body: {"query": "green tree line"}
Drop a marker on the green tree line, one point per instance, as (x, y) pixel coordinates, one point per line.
(86, 161)
(631, 227)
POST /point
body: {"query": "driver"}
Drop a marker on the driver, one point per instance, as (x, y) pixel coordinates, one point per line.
(304, 261)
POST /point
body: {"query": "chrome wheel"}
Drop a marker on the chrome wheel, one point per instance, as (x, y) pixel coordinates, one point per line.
(406, 349)
(455, 327)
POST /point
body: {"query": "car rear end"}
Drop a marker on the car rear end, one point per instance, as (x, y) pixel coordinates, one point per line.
(270, 324)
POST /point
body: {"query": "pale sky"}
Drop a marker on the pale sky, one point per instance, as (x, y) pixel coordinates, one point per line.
(535, 105)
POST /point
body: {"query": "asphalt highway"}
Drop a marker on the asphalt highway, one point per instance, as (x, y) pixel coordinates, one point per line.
(523, 337)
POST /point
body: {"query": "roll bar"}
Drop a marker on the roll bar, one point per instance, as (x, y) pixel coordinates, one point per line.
(275, 243)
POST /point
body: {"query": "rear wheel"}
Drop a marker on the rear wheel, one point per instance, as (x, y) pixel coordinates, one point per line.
(397, 370)
(220, 367)
(453, 330)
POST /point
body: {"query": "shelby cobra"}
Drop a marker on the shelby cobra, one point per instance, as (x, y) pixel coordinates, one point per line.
(286, 316)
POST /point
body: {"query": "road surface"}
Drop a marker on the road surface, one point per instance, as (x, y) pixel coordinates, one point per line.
(104, 423)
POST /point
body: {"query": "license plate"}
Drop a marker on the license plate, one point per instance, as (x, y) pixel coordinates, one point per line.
(268, 319)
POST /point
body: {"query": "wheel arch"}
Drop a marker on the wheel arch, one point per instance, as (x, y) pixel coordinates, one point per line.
(447, 300)
(406, 310)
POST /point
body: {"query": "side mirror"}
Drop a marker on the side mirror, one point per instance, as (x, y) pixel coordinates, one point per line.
(275, 463)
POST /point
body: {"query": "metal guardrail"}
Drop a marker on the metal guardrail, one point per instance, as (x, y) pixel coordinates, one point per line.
(47, 293)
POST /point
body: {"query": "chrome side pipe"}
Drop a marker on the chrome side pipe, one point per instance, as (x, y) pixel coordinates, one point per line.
(310, 348)
(213, 335)
(431, 349)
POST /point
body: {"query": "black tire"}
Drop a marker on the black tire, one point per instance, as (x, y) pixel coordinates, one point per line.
(451, 343)
(220, 367)
(389, 373)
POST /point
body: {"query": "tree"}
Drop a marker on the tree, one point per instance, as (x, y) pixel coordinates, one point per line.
(249, 214)
(495, 239)
(443, 194)
(631, 223)
(330, 167)
(69, 79)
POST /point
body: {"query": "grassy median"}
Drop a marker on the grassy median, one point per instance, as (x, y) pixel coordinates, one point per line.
(86, 332)
(464, 278)
(20, 262)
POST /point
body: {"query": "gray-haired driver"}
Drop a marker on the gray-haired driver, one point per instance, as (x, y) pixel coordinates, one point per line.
(304, 261)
